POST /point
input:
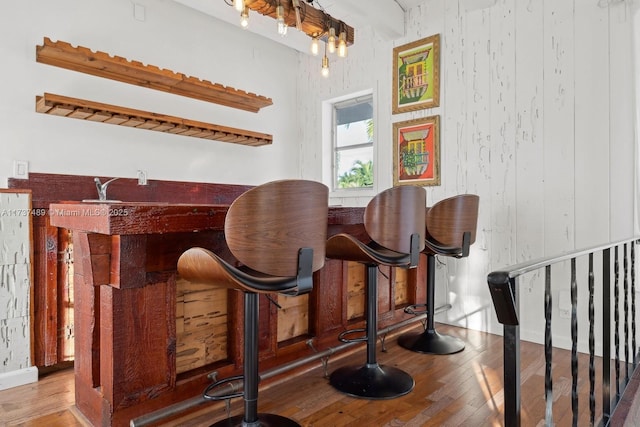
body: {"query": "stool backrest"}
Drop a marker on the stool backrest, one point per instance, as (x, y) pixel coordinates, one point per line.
(449, 219)
(393, 215)
(267, 225)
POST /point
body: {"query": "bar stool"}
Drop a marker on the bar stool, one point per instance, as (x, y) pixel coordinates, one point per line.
(451, 230)
(277, 233)
(394, 220)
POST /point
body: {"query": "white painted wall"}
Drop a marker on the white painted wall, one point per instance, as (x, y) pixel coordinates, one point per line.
(537, 113)
(173, 37)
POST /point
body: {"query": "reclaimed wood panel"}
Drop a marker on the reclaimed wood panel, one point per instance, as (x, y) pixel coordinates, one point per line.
(65, 306)
(131, 219)
(401, 287)
(293, 317)
(137, 343)
(386, 278)
(45, 292)
(201, 325)
(326, 307)
(49, 188)
(356, 289)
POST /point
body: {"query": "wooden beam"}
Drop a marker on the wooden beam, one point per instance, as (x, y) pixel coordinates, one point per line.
(95, 111)
(315, 22)
(62, 54)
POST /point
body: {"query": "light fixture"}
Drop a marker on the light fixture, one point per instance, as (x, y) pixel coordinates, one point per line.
(331, 40)
(325, 63)
(315, 46)
(244, 17)
(342, 44)
(313, 22)
(282, 26)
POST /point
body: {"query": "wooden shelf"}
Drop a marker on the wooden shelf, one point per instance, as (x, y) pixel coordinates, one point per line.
(62, 54)
(58, 105)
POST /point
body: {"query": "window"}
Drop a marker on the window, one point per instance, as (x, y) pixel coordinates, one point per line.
(352, 165)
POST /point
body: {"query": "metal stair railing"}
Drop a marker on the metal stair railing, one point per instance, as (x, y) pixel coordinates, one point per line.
(504, 288)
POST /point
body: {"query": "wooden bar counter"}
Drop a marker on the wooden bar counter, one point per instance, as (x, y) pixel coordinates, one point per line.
(124, 273)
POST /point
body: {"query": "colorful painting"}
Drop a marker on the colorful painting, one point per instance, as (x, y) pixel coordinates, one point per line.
(416, 155)
(416, 80)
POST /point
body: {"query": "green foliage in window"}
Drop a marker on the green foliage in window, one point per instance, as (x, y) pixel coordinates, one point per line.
(360, 175)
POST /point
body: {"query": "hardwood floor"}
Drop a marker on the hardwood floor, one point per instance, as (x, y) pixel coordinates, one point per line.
(463, 389)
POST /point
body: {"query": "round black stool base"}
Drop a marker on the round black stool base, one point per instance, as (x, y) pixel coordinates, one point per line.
(431, 342)
(264, 420)
(372, 381)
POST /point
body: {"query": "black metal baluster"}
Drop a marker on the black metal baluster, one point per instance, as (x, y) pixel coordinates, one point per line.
(633, 304)
(626, 315)
(606, 336)
(574, 343)
(505, 298)
(616, 319)
(548, 382)
(511, 355)
(592, 370)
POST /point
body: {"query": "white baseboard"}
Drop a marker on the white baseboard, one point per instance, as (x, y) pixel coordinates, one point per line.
(19, 377)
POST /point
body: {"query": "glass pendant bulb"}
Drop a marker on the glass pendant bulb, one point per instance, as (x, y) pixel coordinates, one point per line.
(325, 66)
(315, 46)
(342, 45)
(282, 26)
(239, 5)
(331, 40)
(244, 17)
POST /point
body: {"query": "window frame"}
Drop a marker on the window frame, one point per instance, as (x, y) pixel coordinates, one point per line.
(330, 146)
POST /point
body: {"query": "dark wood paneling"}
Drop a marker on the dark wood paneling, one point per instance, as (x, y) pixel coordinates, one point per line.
(45, 292)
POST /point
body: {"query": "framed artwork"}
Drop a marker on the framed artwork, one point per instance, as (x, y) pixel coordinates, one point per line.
(416, 152)
(416, 75)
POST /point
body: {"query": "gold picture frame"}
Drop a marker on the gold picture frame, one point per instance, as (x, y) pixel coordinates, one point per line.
(416, 75)
(416, 152)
